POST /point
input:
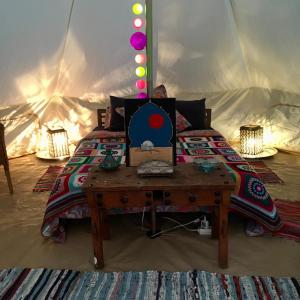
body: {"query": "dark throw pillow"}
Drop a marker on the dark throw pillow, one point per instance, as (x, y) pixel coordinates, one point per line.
(193, 111)
(181, 122)
(116, 121)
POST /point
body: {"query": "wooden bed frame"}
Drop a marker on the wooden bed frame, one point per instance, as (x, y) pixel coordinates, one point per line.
(101, 118)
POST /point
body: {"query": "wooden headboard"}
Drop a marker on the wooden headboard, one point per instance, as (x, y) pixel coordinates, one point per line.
(101, 117)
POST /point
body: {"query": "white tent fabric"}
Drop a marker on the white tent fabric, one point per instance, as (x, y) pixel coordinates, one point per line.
(62, 59)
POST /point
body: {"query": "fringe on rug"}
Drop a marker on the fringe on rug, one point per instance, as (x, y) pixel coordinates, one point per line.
(18, 284)
(289, 212)
(266, 174)
(47, 180)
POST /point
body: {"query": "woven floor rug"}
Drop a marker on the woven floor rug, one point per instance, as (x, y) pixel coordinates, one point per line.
(47, 180)
(289, 212)
(66, 284)
(265, 174)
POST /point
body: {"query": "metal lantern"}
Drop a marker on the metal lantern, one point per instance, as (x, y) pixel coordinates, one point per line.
(58, 146)
(251, 139)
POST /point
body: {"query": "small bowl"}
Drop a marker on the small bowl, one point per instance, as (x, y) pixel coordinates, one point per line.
(206, 165)
(109, 165)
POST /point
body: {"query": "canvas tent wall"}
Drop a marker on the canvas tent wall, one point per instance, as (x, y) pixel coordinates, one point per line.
(62, 59)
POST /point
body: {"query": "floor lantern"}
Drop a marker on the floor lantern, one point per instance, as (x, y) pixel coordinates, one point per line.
(251, 139)
(58, 146)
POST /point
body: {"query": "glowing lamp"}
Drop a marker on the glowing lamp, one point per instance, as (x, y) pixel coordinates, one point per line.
(58, 146)
(137, 8)
(140, 84)
(140, 58)
(138, 40)
(251, 139)
(140, 71)
(142, 95)
(138, 23)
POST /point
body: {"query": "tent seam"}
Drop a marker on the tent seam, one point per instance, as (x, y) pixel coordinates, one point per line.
(242, 48)
(64, 45)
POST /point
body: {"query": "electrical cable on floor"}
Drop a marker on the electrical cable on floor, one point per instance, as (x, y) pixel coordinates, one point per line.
(175, 227)
(143, 216)
(196, 221)
(183, 225)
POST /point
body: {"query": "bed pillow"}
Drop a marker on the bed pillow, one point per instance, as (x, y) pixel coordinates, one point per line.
(121, 111)
(160, 92)
(193, 111)
(116, 121)
(181, 122)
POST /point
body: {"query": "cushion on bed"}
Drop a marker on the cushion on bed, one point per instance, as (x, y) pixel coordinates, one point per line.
(160, 92)
(193, 111)
(116, 121)
(181, 122)
(190, 115)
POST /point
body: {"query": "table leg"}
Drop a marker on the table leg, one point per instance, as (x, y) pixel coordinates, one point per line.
(215, 223)
(223, 230)
(105, 224)
(97, 230)
(153, 218)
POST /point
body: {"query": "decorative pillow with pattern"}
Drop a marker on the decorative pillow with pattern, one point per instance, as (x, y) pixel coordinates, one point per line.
(181, 122)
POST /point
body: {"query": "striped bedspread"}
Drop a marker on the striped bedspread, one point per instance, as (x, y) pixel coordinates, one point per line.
(67, 201)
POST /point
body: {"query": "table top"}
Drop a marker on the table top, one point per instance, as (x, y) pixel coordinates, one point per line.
(185, 176)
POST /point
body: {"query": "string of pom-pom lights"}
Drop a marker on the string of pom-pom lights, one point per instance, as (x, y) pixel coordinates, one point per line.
(138, 41)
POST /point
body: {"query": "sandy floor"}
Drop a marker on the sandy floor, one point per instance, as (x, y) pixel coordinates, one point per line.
(21, 244)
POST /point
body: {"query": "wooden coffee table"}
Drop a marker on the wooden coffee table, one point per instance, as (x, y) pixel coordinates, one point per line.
(125, 189)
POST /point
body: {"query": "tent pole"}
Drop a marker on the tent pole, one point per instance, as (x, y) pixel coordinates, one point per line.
(149, 48)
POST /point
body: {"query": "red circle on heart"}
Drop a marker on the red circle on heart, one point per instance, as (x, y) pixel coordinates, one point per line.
(156, 121)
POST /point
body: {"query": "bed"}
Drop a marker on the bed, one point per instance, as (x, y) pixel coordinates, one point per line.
(68, 201)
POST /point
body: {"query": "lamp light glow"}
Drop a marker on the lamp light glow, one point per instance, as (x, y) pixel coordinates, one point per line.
(58, 143)
(142, 95)
(140, 71)
(137, 8)
(138, 23)
(251, 139)
(141, 84)
(138, 40)
(140, 58)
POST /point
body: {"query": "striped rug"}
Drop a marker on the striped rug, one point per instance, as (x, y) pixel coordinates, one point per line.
(47, 180)
(289, 212)
(265, 174)
(66, 284)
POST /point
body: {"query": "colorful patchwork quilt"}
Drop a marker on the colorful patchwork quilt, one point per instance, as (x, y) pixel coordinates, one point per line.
(68, 201)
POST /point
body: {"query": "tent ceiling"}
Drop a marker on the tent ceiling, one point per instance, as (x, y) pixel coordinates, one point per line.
(216, 48)
(198, 46)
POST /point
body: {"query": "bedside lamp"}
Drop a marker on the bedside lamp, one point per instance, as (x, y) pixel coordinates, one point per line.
(251, 139)
(58, 145)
